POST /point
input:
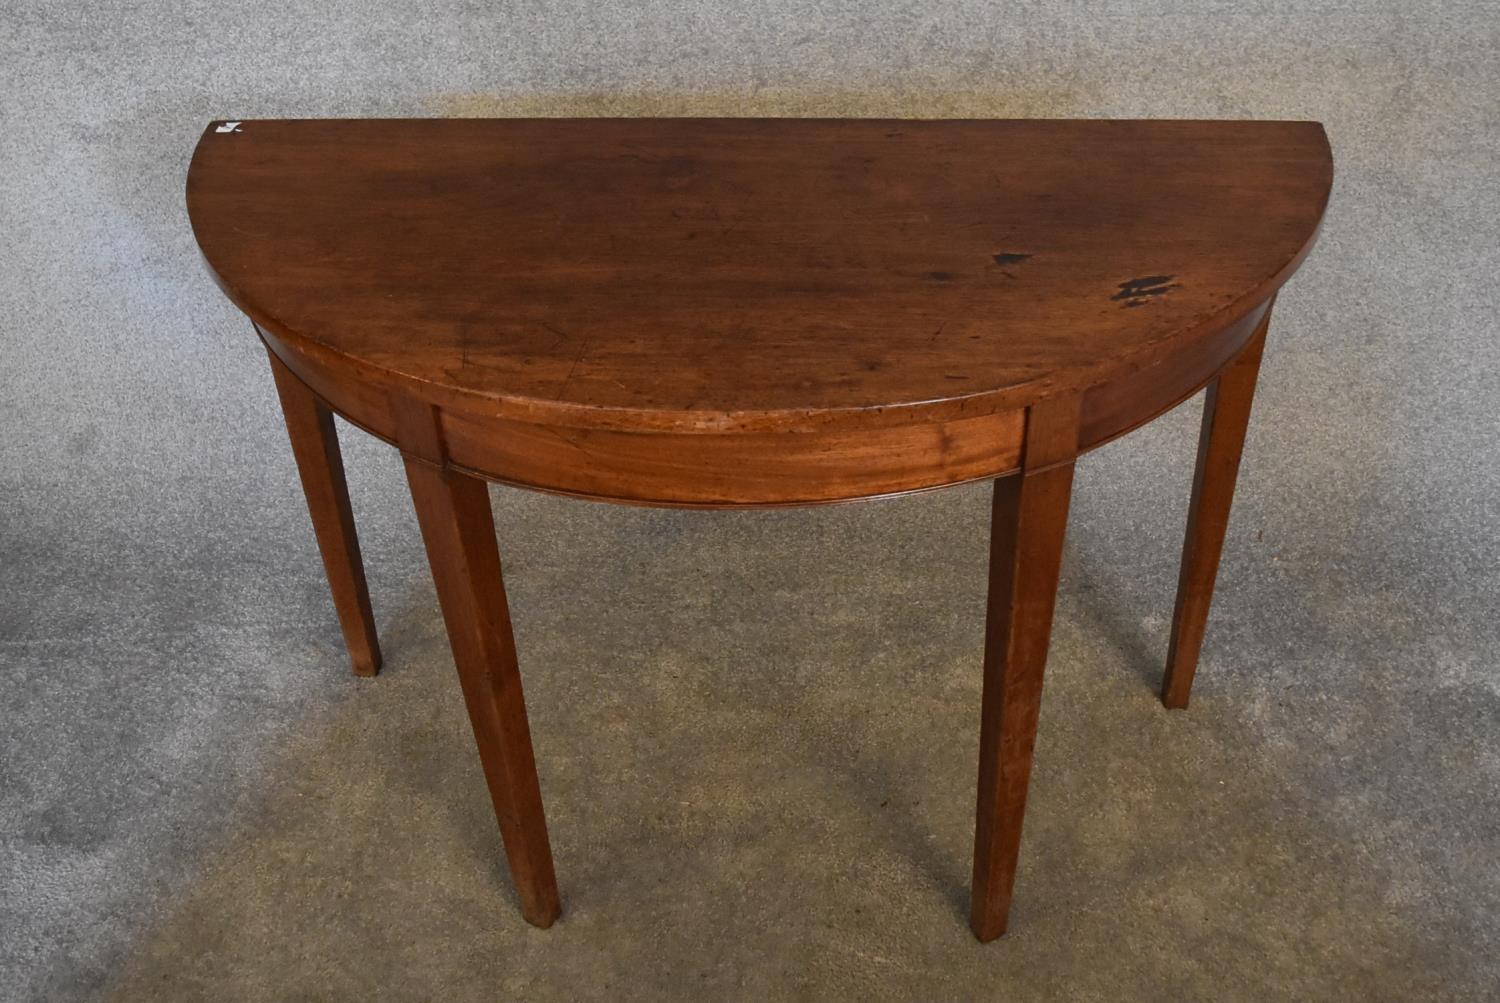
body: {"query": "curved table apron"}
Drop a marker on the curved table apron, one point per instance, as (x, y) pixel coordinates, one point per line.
(750, 313)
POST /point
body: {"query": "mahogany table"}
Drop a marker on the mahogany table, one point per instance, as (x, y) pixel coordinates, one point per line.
(735, 313)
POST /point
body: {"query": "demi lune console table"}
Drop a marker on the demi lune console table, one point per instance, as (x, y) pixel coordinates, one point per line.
(734, 313)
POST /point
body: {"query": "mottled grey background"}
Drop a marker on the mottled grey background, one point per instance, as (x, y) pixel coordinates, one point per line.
(756, 731)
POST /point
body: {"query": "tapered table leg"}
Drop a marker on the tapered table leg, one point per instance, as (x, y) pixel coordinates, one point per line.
(458, 528)
(315, 444)
(1029, 517)
(1226, 416)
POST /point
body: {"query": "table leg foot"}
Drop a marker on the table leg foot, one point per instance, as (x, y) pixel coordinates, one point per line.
(315, 445)
(1028, 521)
(1226, 417)
(458, 528)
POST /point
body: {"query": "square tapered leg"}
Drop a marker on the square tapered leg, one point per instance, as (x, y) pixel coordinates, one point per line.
(315, 445)
(458, 528)
(1226, 417)
(1028, 521)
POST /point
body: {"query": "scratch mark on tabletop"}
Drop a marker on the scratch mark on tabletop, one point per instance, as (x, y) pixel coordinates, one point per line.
(582, 351)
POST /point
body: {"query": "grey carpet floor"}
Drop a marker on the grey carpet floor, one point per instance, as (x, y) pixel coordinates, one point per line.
(756, 731)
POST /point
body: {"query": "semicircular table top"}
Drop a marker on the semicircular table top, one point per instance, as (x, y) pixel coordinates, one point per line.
(754, 275)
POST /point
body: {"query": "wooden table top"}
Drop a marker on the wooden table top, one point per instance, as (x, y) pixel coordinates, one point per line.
(704, 275)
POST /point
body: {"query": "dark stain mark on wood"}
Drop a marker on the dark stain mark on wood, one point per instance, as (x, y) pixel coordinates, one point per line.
(940, 276)
(1138, 292)
(1010, 258)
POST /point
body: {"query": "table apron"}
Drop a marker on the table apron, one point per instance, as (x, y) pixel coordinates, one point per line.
(766, 468)
(1128, 401)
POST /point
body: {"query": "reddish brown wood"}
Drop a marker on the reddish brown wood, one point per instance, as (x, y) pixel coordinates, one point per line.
(1120, 405)
(458, 528)
(315, 445)
(1226, 417)
(746, 468)
(1028, 522)
(869, 286)
(753, 312)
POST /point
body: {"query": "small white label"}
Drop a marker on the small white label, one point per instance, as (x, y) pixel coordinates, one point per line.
(228, 127)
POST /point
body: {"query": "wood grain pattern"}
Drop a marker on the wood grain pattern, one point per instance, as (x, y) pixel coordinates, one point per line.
(315, 445)
(1226, 418)
(1028, 522)
(729, 274)
(755, 312)
(742, 469)
(1129, 400)
(458, 528)
(877, 286)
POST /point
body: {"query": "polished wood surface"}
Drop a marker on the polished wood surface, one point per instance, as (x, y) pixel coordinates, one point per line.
(688, 276)
(1226, 418)
(458, 528)
(1029, 518)
(315, 446)
(757, 312)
